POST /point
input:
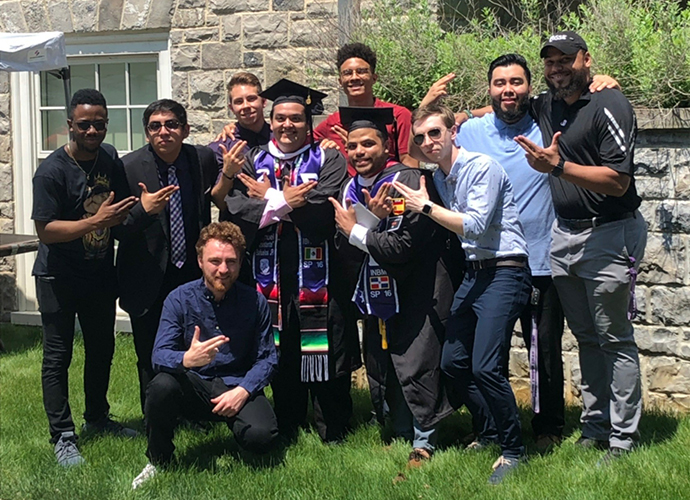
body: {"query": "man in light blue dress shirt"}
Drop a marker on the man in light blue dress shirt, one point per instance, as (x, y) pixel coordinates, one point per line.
(494, 135)
(480, 209)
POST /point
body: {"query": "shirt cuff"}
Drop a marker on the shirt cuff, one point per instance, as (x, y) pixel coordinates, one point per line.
(276, 207)
(358, 237)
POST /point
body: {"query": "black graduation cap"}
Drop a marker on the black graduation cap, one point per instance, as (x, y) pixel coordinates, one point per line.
(378, 118)
(285, 90)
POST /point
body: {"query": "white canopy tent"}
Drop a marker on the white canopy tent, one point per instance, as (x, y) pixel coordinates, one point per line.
(36, 52)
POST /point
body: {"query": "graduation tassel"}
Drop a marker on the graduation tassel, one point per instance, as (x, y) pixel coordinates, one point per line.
(382, 331)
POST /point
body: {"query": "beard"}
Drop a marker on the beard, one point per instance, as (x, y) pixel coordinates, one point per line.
(514, 115)
(218, 285)
(578, 82)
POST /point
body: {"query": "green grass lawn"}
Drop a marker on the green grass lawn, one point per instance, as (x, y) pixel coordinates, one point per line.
(210, 466)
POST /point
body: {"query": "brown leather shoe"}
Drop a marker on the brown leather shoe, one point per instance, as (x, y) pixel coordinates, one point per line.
(417, 458)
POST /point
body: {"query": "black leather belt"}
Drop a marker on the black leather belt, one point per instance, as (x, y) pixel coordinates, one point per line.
(517, 261)
(574, 224)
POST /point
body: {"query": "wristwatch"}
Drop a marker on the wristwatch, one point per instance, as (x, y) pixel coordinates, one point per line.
(558, 169)
(426, 209)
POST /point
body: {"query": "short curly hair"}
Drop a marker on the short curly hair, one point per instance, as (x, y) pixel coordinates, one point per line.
(358, 50)
(226, 232)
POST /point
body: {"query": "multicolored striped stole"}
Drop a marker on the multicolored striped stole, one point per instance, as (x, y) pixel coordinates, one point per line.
(313, 265)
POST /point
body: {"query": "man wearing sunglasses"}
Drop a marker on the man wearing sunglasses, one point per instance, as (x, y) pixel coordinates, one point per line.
(158, 255)
(479, 208)
(79, 200)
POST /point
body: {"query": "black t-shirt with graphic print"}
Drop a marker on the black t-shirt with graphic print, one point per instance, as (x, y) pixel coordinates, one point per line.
(599, 129)
(63, 191)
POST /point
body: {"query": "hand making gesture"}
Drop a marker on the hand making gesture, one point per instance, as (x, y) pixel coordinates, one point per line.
(154, 203)
(414, 199)
(380, 205)
(295, 196)
(233, 160)
(202, 353)
(255, 189)
(344, 219)
(541, 159)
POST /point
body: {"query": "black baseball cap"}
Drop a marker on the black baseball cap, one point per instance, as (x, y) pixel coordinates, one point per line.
(567, 42)
(356, 118)
(285, 90)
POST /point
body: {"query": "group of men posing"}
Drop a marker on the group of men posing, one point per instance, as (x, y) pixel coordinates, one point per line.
(322, 227)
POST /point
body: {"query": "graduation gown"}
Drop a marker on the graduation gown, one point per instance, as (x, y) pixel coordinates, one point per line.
(426, 263)
(316, 221)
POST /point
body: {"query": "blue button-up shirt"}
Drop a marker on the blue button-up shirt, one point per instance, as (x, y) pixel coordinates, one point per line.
(491, 136)
(479, 189)
(248, 359)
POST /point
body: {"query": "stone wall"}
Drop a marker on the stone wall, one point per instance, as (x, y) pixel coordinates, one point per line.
(8, 295)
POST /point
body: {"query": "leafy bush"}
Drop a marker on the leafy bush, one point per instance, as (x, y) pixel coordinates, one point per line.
(642, 43)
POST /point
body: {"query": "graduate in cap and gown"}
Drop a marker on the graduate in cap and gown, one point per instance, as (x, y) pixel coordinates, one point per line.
(282, 207)
(408, 268)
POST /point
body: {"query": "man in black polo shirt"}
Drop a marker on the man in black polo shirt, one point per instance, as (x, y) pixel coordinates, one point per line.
(599, 237)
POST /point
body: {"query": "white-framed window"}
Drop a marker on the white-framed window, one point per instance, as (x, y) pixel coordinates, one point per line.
(130, 69)
(129, 83)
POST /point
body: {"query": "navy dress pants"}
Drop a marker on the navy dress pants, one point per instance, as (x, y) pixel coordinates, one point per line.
(475, 353)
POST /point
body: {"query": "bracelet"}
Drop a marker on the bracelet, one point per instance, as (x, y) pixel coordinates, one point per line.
(228, 177)
(468, 113)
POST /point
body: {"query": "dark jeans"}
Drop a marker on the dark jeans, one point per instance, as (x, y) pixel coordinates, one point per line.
(551, 418)
(144, 327)
(170, 396)
(477, 344)
(60, 299)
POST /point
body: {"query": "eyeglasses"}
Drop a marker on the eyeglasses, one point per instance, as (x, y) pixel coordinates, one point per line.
(359, 71)
(169, 124)
(434, 133)
(99, 125)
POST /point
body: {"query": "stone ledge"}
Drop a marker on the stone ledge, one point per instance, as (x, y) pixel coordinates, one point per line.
(667, 118)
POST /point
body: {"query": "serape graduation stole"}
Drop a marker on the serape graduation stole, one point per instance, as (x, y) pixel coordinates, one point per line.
(313, 265)
(376, 293)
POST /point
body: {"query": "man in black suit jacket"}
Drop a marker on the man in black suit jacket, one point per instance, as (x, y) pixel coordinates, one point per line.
(158, 254)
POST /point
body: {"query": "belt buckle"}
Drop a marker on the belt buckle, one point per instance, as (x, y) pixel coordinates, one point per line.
(594, 222)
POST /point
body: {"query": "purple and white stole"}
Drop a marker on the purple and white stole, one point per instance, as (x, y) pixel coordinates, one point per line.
(313, 265)
(376, 293)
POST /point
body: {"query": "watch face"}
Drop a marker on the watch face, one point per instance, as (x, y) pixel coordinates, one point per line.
(426, 209)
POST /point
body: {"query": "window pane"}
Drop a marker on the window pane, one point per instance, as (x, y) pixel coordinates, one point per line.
(82, 76)
(138, 137)
(52, 91)
(112, 78)
(117, 129)
(54, 129)
(142, 83)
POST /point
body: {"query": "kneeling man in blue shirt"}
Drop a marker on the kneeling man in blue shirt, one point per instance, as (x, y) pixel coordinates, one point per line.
(214, 354)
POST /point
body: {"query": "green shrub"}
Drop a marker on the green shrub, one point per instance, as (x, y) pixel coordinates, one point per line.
(642, 43)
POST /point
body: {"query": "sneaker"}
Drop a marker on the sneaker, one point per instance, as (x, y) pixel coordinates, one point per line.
(545, 442)
(147, 473)
(417, 458)
(108, 426)
(611, 456)
(502, 467)
(66, 450)
(589, 443)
